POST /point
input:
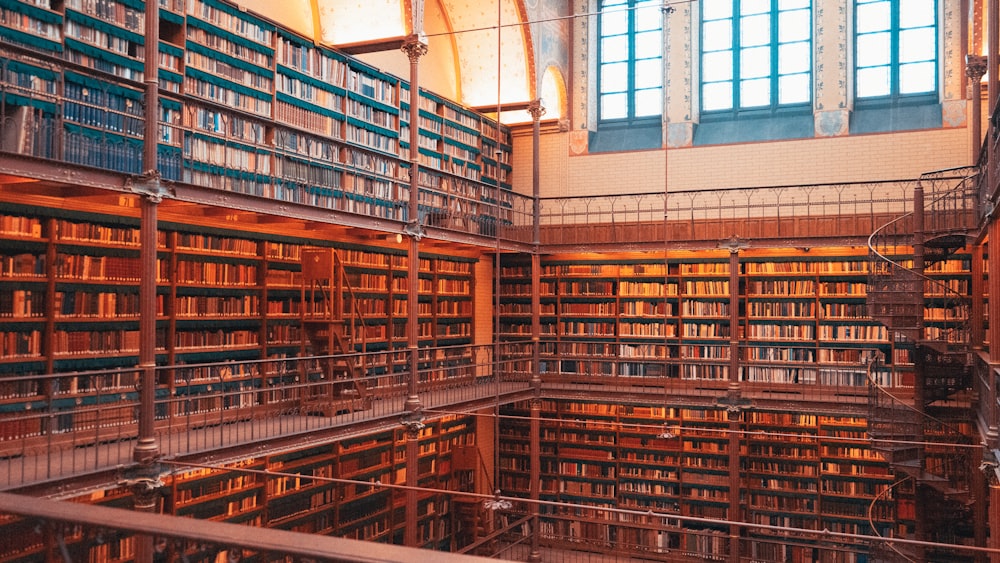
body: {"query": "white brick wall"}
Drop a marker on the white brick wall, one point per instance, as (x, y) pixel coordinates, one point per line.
(858, 158)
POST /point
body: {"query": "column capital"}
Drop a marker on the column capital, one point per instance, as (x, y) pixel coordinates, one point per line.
(413, 423)
(975, 66)
(734, 244)
(415, 46)
(536, 109)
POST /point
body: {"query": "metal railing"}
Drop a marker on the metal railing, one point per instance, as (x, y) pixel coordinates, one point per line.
(896, 292)
(824, 373)
(63, 425)
(806, 211)
(65, 531)
(40, 529)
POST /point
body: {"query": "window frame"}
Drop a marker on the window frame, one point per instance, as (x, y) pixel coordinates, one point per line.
(894, 98)
(630, 90)
(774, 108)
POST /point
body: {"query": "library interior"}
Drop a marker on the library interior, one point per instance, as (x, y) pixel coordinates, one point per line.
(648, 280)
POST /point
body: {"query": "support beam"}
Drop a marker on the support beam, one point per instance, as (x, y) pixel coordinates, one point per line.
(414, 48)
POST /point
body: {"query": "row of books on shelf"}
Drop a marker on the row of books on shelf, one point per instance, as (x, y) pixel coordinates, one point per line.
(822, 267)
(225, 44)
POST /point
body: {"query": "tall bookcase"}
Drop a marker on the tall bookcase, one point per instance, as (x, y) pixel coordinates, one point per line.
(247, 106)
(342, 488)
(69, 288)
(801, 316)
(805, 470)
(334, 488)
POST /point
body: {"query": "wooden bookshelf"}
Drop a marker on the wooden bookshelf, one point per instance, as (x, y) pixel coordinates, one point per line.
(305, 489)
(332, 488)
(801, 316)
(247, 106)
(673, 459)
(36, 24)
(106, 36)
(69, 283)
(102, 123)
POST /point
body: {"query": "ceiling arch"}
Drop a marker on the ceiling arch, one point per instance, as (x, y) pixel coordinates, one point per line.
(480, 53)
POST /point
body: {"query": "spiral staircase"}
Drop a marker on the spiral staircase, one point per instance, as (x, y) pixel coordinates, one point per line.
(923, 435)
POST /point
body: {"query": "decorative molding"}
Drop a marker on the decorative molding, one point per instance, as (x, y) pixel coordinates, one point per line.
(579, 142)
(953, 113)
(833, 123)
(415, 47)
(680, 134)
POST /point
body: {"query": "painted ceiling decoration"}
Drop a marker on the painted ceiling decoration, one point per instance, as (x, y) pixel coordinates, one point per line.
(481, 40)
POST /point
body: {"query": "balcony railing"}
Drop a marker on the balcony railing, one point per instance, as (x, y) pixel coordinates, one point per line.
(63, 425)
(68, 424)
(804, 211)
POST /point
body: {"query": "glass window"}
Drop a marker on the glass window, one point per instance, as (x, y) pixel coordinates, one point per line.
(895, 48)
(755, 54)
(630, 59)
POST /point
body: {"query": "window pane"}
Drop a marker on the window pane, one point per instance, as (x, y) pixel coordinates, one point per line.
(717, 35)
(873, 82)
(755, 62)
(918, 13)
(916, 78)
(718, 66)
(793, 89)
(794, 26)
(716, 9)
(873, 17)
(614, 77)
(647, 15)
(917, 45)
(613, 106)
(873, 50)
(649, 73)
(755, 30)
(649, 102)
(755, 93)
(792, 4)
(614, 22)
(793, 58)
(614, 49)
(717, 96)
(648, 44)
(748, 7)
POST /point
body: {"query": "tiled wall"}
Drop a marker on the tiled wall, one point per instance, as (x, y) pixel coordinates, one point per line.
(859, 158)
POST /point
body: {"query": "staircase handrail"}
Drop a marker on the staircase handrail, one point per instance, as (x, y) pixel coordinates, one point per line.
(871, 517)
(953, 432)
(877, 255)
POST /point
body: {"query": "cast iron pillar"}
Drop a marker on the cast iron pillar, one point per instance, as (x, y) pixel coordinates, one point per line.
(536, 110)
(415, 47)
(143, 478)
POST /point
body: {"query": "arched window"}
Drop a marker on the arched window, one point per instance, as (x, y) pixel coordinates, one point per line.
(756, 56)
(895, 49)
(630, 59)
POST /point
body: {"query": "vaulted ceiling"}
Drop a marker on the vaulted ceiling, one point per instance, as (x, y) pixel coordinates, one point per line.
(466, 54)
